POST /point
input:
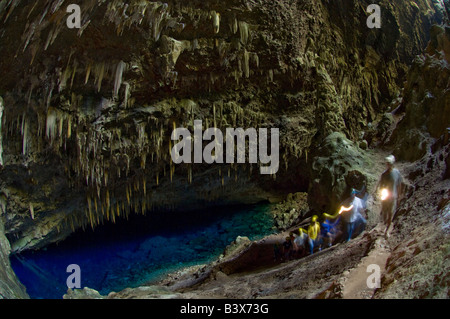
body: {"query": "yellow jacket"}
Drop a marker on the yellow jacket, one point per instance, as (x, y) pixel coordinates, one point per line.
(314, 230)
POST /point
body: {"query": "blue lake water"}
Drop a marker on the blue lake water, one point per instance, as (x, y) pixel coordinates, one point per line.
(138, 251)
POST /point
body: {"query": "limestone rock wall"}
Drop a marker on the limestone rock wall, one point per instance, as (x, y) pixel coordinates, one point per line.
(10, 287)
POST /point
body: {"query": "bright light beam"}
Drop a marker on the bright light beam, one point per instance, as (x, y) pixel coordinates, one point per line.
(345, 209)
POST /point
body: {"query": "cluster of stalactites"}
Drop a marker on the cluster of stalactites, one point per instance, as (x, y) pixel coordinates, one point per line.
(154, 15)
(103, 157)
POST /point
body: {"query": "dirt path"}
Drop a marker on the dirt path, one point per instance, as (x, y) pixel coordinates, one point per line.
(355, 281)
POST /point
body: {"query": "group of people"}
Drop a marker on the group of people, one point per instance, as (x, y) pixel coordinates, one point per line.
(348, 222)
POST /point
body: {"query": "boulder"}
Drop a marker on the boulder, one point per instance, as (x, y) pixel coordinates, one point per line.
(85, 293)
(337, 166)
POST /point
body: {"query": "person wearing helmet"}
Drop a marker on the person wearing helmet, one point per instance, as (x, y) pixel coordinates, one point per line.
(390, 184)
(352, 213)
(314, 234)
(287, 248)
(300, 242)
(329, 229)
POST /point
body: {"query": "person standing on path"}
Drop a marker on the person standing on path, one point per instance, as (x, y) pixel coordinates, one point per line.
(391, 186)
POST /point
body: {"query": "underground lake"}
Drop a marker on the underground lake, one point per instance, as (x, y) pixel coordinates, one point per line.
(140, 250)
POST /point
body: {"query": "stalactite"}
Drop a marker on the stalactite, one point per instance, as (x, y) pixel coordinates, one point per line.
(56, 31)
(74, 71)
(256, 59)
(51, 123)
(29, 36)
(127, 94)
(105, 175)
(246, 64)
(95, 205)
(88, 73)
(63, 79)
(234, 26)
(100, 72)
(102, 210)
(216, 21)
(69, 127)
(144, 185)
(32, 211)
(97, 219)
(157, 15)
(112, 214)
(25, 137)
(108, 200)
(244, 32)
(60, 126)
(271, 75)
(118, 77)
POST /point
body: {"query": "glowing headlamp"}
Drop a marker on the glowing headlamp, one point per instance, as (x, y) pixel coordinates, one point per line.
(384, 194)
